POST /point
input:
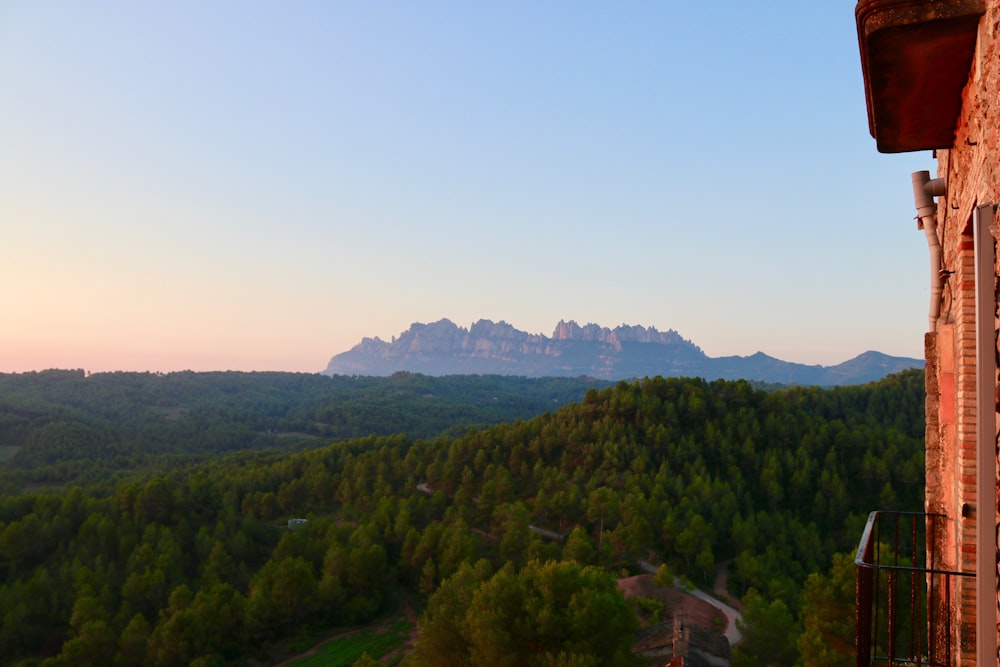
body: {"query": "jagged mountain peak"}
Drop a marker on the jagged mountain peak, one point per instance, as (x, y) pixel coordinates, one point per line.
(627, 351)
(493, 329)
(623, 333)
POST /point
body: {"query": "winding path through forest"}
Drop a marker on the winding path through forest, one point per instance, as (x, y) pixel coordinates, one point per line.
(732, 632)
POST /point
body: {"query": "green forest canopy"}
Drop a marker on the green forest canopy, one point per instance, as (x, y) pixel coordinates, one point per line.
(67, 426)
(196, 565)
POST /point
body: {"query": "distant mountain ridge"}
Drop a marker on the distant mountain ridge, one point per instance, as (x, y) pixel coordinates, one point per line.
(497, 348)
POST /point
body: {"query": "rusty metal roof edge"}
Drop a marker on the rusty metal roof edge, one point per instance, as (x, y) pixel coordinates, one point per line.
(873, 16)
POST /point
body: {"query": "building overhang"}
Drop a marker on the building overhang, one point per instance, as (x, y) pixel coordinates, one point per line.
(916, 57)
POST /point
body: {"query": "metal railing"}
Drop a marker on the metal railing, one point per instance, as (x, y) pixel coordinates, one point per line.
(904, 598)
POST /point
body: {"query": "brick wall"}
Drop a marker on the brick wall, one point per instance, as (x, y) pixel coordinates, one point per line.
(972, 170)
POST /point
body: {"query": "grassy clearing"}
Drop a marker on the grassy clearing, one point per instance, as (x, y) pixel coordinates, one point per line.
(344, 651)
(7, 452)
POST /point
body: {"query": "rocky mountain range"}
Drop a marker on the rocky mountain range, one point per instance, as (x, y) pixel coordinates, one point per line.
(625, 352)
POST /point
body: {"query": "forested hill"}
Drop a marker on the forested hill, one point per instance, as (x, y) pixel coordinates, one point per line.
(63, 425)
(196, 567)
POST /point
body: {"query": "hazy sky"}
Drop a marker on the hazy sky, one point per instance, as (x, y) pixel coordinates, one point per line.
(258, 185)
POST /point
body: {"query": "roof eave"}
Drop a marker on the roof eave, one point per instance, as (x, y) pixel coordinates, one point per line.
(916, 56)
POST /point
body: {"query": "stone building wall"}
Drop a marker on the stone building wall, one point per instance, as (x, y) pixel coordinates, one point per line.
(972, 170)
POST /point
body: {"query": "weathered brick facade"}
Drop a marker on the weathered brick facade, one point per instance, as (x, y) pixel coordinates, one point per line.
(971, 168)
(970, 165)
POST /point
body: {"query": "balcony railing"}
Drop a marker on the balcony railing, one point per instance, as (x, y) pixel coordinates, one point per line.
(904, 598)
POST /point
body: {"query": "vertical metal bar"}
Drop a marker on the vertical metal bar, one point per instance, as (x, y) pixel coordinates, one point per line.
(986, 443)
(859, 616)
(930, 545)
(891, 588)
(878, 578)
(914, 606)
(863, 612)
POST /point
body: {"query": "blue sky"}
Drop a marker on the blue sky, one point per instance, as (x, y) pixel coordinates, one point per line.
(258, 185)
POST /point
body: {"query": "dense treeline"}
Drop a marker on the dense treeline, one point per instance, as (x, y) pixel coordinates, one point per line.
(198, 566)
(66, 426)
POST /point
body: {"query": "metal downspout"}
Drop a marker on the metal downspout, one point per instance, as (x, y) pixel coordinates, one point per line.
(924, 191)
